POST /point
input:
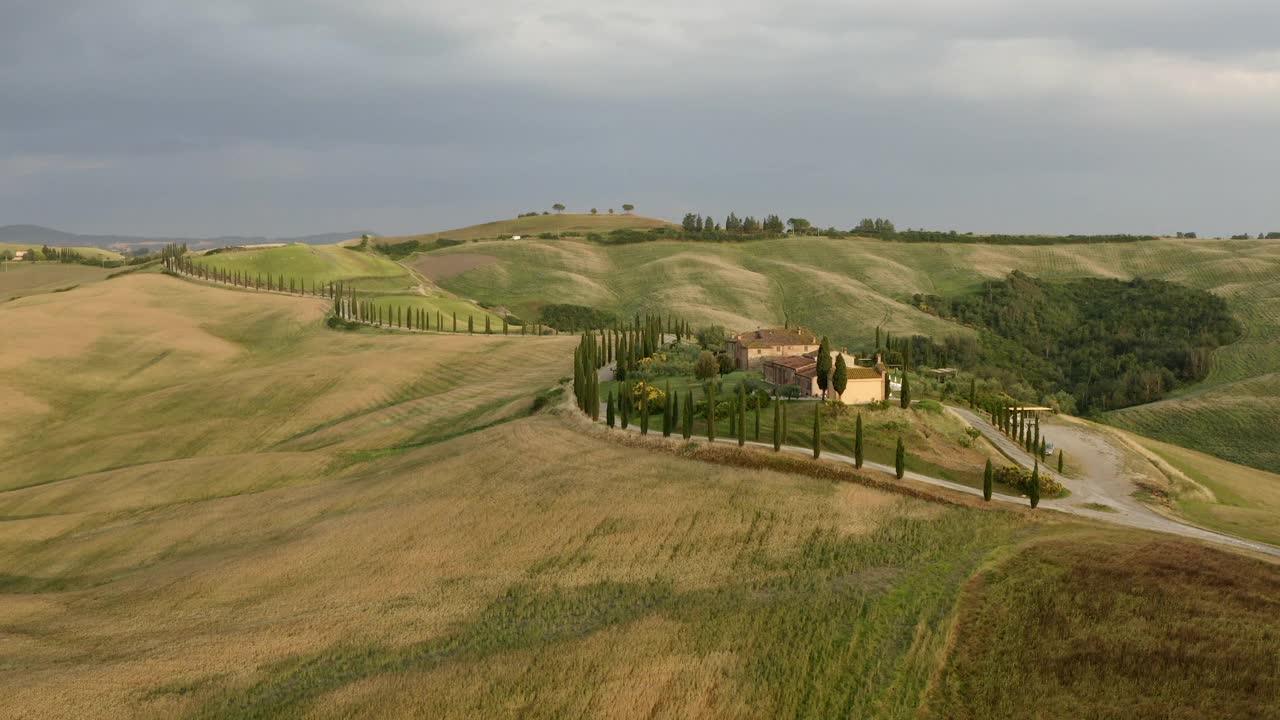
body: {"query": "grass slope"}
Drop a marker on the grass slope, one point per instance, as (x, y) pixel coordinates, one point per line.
(27, 278)
(581, 223)
(213, 507)
(846, 287)
(316, 264)
(1103, 626)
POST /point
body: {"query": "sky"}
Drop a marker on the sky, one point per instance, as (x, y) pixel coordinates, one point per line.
(284, 117)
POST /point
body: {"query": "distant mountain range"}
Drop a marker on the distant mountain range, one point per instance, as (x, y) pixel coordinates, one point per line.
(36, 235)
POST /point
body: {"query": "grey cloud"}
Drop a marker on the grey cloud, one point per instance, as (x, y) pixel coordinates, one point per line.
(288, 117)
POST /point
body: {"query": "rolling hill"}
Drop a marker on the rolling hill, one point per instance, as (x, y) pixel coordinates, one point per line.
(36, 235)
(576, 223)
(846, 287)
(214, 507)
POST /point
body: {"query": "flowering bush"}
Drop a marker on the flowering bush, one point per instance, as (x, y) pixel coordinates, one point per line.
(657, 398)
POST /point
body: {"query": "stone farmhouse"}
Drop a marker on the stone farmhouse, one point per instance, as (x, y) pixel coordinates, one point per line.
(866, 384)
(751, 349)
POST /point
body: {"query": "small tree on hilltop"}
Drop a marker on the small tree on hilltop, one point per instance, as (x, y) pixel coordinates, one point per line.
(628, 207)
(558, 207)
(594, 211)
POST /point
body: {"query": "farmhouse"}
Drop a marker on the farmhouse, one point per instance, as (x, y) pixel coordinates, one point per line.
(750, 349)
(866, 384)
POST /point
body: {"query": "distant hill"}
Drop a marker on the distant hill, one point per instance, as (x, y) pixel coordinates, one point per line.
(534, 224)
(36, 235)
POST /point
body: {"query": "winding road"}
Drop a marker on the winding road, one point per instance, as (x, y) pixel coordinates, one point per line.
(1100, 483)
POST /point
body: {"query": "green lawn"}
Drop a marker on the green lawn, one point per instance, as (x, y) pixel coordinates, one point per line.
(93, 252)
(447, 307)
(315, 265)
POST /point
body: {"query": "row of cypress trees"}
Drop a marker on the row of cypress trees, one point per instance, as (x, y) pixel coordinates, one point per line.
(346, 304)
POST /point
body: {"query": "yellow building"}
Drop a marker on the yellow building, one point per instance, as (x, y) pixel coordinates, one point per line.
(865, 385)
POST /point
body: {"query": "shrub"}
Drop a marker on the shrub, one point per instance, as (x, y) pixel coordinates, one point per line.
(706, 367)
(338, 323)
(932, 406)
(789, 391)
(726, 364)
(1019, 478)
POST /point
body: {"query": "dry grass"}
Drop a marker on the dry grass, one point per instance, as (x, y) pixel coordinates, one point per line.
(25, 278)
(578, 223)
(1104, 625)
(217, 508)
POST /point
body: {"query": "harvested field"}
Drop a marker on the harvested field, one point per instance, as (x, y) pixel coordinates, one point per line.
(442, 267)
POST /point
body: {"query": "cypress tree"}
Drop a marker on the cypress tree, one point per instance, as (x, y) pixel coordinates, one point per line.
(777, 424)
(857, 441)
(471, 324)
(667, 419)
(711, 410)
(840, 377)
(824, 366)
(1033, 491)
(988, 478)
(900, 459)
(742, 414)
(455, 321)
(609, 418)
(817, 430)
(688, 414)
(487, 330)
(906, 390)
(1059, 460)
(733, 417)
(973, 392)
(757, 411)
(1036, 442)
(784, 424)
(644, 410)
(624, 405)
(595, 395)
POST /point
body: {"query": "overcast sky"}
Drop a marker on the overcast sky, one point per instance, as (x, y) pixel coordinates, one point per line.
(286, 117)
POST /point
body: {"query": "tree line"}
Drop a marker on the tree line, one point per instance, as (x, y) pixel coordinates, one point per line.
(1105, 343)
(348, 305)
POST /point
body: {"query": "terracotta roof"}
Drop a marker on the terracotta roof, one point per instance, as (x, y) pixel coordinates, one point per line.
(861, 373)
(772, 337)
(795, 363)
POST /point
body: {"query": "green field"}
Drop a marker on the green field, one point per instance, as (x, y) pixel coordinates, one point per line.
(446, 306)
(846, 287)
(213, 506)
(1241, 500)
(316, 264)
(578, 223)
